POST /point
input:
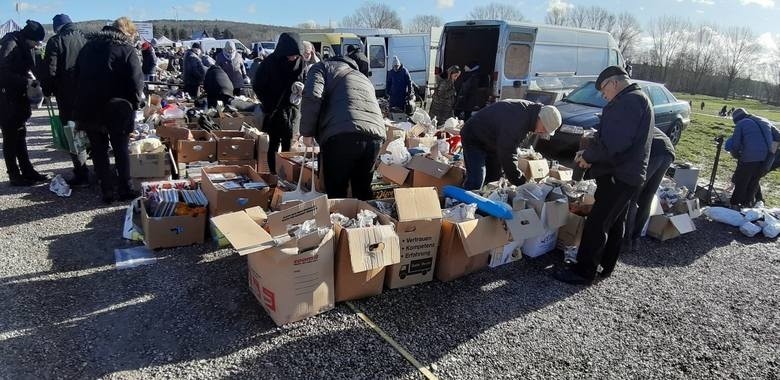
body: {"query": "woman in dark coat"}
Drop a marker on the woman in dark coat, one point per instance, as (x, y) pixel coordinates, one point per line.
(273, 84)
(110, 85)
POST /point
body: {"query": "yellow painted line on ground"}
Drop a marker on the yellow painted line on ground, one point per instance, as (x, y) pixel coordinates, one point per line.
(408, 356)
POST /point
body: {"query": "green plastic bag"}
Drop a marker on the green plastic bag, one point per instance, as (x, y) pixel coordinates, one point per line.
(59, 141)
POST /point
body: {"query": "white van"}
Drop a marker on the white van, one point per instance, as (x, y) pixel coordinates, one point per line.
(520, 60)
(412, 49)
(206, 44)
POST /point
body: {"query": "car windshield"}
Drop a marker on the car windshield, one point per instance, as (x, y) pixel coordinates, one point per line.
(268, 45)
(587, 95)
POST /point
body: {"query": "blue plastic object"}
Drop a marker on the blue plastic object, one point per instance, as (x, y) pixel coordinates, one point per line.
(497, 209)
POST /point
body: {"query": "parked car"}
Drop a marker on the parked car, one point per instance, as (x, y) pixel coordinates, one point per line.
(581, 111)
(264, 48)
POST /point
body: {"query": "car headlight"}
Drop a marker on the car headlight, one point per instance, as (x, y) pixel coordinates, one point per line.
(573, 129)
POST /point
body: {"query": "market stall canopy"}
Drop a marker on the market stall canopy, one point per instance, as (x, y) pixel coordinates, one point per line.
(8, 27)
(163, 41)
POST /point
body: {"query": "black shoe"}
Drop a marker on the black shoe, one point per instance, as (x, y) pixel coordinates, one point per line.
(20, 181)
(36, 177)
(569, 276)
(78, 182)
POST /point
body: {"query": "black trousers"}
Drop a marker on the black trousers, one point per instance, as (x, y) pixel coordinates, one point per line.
(602, 236)
(119, 143)
(348, 159)
(275, 141)
(746, 178)
(192, 90)
(639, 208)
(17, 159)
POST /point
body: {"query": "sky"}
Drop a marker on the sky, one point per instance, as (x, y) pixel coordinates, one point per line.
(760, 15)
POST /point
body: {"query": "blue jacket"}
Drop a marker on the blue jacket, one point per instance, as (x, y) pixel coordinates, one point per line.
(751, 139)
(621, 147)
(399, 86)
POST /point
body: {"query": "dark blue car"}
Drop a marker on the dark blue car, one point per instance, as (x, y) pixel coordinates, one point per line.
(581, 111)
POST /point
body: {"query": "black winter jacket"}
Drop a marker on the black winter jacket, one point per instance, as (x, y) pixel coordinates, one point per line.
(468, 91)
(273, 85)
(218, 86)
(58, 74)
(193, 70)
(149, 61)
(661, 145)
(501, 128)
(338, 99)
(16, 61)
(107, 68)
(621, 145)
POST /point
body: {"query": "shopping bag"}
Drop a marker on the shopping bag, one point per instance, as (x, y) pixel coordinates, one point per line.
(299, 195)
(59, 141)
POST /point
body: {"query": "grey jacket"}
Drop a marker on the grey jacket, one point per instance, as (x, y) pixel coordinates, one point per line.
(501, 128)
(338, 99)
(621, 146)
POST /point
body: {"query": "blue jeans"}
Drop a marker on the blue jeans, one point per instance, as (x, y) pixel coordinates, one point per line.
(481, 167)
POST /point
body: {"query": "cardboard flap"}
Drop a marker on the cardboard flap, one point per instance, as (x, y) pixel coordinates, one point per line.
(394, 173)
(525, 224)
(315, 209)
(242, 232)
(373, 248)
(655, 207)
(683, 223)
(481, 235)
(417, 203)
(428, 166)
(257, 214)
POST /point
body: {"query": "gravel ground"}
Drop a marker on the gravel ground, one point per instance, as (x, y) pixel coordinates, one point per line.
(703, 306)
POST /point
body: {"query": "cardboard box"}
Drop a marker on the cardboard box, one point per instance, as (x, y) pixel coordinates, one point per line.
(150, 165)
(362, 253)
(552, 212)
(223, 201)
(688, 206)
(202, 147)
(251, 163)
(234, 123)
(286, 168)
(257, 214)
(562, 173)
(172, 231)
(525, 224)
(306, 179)
(663, 227)
(418, 227)
(396, 174)
(430, 173)
(135, 183)
(533, 169)
(537, 246)
(687, 177)
(294, 279)
(509, 253)
(465, 247)
(570, 234)
(261, 150)
(427, 142)
(234, 145)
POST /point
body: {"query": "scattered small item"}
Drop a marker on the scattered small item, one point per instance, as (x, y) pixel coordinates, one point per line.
(127, 258)
(60, 187)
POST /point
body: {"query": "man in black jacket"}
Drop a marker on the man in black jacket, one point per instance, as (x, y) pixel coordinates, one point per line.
(340, 110)
(273, 86)
(491, 137)
(661, 157)
(110, 89)
(193, 70)
(16, 61)
(58, 77)
(617, 157)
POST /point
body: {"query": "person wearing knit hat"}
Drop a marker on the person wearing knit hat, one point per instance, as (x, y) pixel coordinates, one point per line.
(399, 85)
(16, 63)
(617, 156)
(59, 21)
(492, 136)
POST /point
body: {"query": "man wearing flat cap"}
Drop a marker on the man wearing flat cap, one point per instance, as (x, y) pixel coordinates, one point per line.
(617, 156)
(16, 61)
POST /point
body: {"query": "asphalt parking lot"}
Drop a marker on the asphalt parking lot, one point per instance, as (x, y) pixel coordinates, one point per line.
(702, 306)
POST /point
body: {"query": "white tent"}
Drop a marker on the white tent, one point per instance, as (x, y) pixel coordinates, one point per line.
(8, 27)
(163, 41)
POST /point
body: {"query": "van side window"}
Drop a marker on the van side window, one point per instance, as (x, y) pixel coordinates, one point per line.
(378, 58)
(554, 59)
(516, 61)
(613, 58)
(591, 61)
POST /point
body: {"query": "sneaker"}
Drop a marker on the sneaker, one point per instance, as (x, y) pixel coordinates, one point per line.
(78, 182)
(20, 181)
(36, 177)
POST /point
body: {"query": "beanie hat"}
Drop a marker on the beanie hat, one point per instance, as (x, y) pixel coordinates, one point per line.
(551, 119)
(59, 20)
(739, 114)
(196, 45)
(33, 31)
(396, 61)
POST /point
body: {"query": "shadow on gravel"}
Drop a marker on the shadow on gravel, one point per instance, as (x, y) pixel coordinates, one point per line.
(47, 204)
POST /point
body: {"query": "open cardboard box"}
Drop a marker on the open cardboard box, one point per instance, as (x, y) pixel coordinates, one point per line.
(553, 212)
(465, 247)
(562, 173)
(172, 231)
(151, 165)
(291, 278)
(362, 253)
(202, 147)
(533, 169)
(222, 201)
(418, 227)
(287, 169)
(663, 227)
(570, 234)
(235, 145)
(396, 174)
(429, 173)
(261, 150)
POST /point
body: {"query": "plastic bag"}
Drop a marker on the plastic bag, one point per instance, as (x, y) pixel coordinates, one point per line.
(60, 187)
(452, 123)
(130, 231)
(751, 214)
(421, 117)
(296, 93)
(147, 145)
(749, 229)
(397, 154)
(366, 218)
(771, 226)
(725, 215)
(460, 213)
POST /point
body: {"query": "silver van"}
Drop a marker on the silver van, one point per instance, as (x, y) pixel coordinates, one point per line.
(521, 60)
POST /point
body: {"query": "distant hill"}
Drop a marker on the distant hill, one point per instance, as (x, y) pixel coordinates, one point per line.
(184, 29)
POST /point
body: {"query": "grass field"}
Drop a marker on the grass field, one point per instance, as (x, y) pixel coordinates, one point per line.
(697, 144)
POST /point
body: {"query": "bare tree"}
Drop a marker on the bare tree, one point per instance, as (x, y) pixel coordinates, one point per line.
(373, 15)
(598, 18)
(740, 49)
(557, 13)
(577, 17)
(423, 23)
(496, 11)
(627, 32)
(667, 35)
(701, 54)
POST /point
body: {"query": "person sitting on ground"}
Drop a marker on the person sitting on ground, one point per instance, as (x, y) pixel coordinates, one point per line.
(491, 138)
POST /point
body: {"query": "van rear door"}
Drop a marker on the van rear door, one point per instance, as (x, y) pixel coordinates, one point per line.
(515, 62)
(376, 52)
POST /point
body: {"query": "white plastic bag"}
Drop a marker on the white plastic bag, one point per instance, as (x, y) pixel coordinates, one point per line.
(451, 123)
(771, 226)
(130, 231)
(60, 187)
(751, 214)
(397, 154)
(421, 117)
(749, 229)
(725, 215)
